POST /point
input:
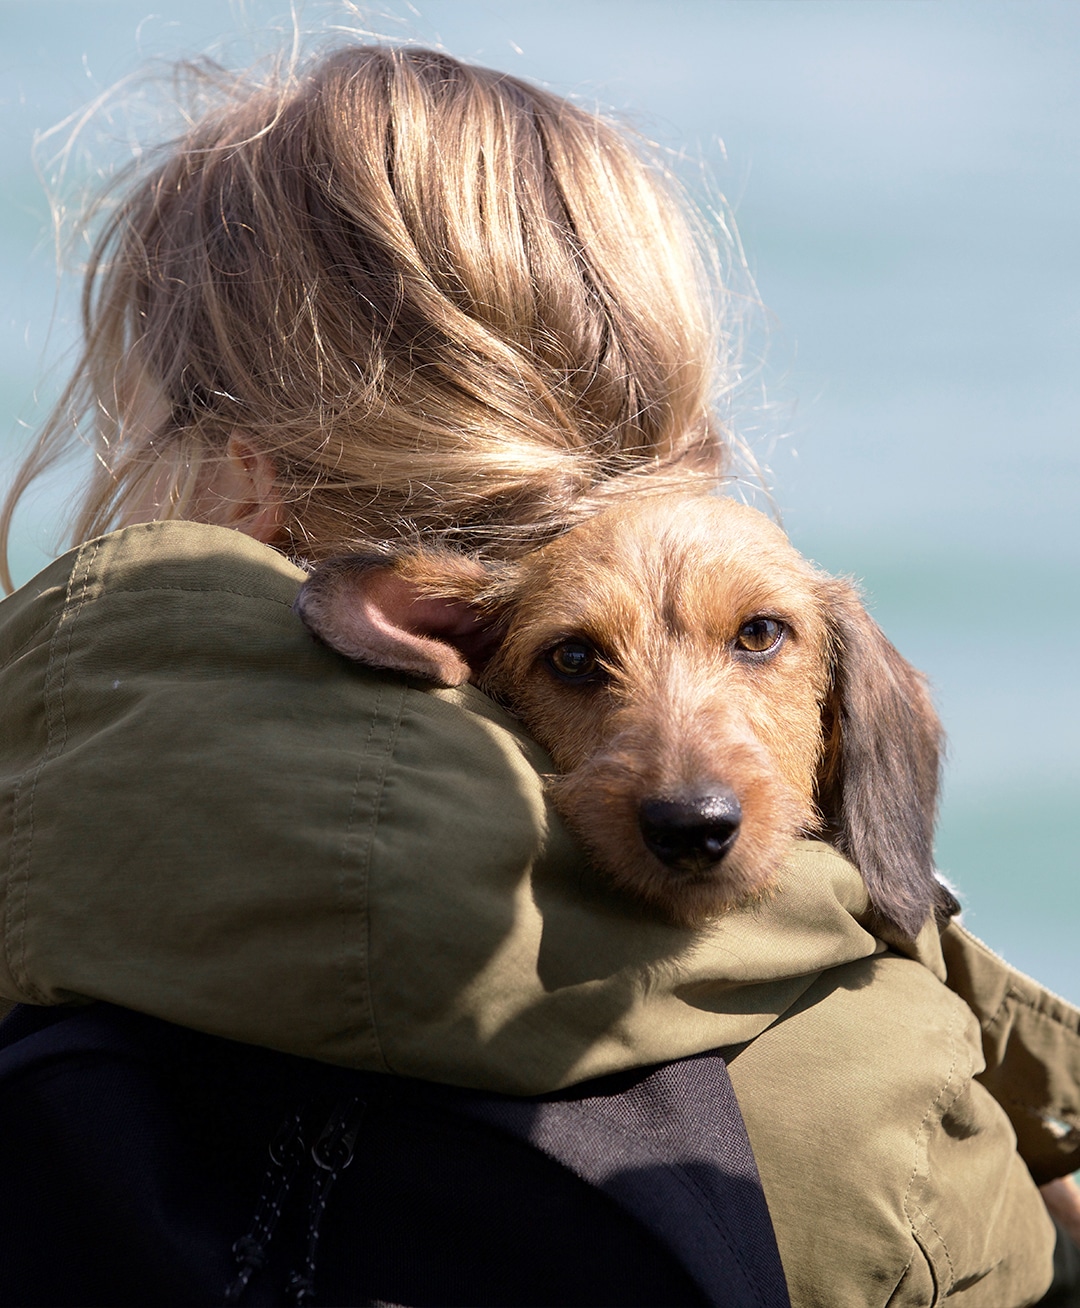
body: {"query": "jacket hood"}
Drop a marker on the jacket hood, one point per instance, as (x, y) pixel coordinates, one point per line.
(207, 816)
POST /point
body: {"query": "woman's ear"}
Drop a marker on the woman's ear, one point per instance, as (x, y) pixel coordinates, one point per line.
(419, 613)
(246, 483)
(240, 490)
(878, 786)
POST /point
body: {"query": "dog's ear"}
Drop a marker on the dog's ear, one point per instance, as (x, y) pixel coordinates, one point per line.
(878, 786)
(419, 612)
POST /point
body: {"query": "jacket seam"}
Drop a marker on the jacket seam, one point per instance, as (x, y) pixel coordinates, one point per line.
(363, 863)
(981, 947)
(1012, 996)
(15, 936)
(911, 1207)
(376, 813)
(146, 590)
(365, 870)
(201, 590)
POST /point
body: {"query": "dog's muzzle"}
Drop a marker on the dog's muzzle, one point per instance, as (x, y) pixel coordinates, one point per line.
(691, 835)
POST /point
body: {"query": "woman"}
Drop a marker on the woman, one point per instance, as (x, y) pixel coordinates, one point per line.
(393, 296)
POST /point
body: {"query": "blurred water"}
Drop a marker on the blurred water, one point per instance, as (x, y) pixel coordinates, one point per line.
(906, 183)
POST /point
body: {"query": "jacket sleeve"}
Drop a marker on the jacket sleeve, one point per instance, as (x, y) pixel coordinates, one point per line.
(891, 1174)
(1031, 1042)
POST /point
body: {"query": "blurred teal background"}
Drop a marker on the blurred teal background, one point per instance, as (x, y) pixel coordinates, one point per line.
(904, 174)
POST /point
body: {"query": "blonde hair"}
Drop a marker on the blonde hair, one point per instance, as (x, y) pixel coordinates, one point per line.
(437, 298)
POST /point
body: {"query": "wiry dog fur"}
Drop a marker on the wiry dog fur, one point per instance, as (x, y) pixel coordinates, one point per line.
(704, 691)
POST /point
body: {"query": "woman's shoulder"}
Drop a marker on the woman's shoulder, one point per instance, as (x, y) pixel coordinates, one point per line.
(189, 556)
(209, 816)
(193, 791)
(182, 565)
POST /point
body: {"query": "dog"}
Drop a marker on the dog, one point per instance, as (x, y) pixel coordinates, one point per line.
(705, 693)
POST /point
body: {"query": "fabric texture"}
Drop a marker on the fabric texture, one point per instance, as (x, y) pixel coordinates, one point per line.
(208, 817)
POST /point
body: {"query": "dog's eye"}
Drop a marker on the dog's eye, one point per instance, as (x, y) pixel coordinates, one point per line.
(573, 660)
(760, 635)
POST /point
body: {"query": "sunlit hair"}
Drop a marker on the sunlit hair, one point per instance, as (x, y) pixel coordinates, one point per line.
(439, 299)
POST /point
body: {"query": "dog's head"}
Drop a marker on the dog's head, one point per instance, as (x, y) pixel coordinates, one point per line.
(704, 691)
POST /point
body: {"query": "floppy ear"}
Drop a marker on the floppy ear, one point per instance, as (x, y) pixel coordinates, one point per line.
(417, 613)
(879, 778)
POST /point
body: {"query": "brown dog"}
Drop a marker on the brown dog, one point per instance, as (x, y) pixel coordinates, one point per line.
(705, 692)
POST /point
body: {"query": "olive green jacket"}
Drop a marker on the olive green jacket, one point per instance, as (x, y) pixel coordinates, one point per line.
(207, 816)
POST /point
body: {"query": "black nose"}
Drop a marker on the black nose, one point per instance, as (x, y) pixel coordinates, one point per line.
(691, 834)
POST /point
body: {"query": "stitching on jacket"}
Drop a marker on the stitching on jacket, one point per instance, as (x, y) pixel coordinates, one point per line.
(941, 1241)
(983, 948)
(987, 1022)
(364, 865)
(1016, 997)
(199, 590)
(146, 590)
(911, 1208)
(363, 861)
(19, 887)
(376, 809)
